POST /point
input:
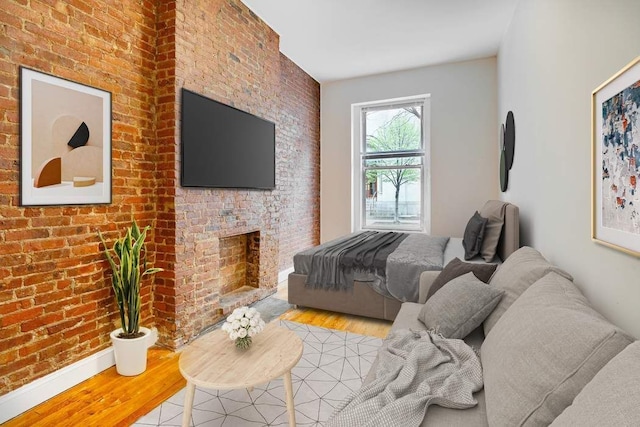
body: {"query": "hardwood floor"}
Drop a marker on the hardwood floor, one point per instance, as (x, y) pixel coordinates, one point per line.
(109, 399)
(340, 322)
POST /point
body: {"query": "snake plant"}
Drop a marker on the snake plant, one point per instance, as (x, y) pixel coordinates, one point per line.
(128, 253)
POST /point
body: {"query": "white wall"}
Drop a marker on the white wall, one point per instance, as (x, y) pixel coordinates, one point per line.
(555, 53)
(464, 140)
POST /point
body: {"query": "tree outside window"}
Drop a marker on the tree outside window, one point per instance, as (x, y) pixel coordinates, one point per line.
(392, 161)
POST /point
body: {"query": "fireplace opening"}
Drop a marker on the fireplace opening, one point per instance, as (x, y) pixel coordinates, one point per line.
(239, 262)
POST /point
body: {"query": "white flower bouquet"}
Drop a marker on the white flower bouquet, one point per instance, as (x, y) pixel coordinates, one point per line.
(242, 325)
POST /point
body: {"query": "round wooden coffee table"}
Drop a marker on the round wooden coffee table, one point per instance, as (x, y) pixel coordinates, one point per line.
(213, 361)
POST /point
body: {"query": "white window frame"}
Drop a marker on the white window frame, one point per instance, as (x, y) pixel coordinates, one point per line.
(357, 151)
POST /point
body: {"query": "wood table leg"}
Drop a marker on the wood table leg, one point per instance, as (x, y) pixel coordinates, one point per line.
(188, 404)
(288, 389)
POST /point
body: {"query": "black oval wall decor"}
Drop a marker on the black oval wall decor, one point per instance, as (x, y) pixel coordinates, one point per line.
(509, 139)
(504, 172)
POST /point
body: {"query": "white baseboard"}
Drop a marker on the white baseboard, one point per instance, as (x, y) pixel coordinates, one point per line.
(26, 397)
(282, 276)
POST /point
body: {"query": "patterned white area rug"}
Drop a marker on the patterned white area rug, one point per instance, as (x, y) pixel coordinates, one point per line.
(333, 364)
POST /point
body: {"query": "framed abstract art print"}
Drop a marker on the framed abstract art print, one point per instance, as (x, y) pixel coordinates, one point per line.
(615, 135)
(65, 142)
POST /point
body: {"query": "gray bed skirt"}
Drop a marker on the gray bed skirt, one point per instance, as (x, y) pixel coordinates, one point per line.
(361, 300)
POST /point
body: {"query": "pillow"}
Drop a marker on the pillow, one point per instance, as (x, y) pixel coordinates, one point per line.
(493, 210)
(473, 235)
(611, 397)
(456, 268)
(543, 351)
(460, 306)
(519, 271)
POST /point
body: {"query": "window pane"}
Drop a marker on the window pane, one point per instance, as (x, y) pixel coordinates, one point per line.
(393, 199)
(393, 129)
(393, 161)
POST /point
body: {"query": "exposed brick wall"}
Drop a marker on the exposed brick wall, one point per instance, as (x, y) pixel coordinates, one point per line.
(165, 300)
(223, 51)
(298, 161)
(56, 304)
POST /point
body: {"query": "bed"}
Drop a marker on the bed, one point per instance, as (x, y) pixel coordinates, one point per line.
(363, 299)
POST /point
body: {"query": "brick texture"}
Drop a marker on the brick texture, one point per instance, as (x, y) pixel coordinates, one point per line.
(56, 303)
(226, 53)
(298, 164)
(239, 262)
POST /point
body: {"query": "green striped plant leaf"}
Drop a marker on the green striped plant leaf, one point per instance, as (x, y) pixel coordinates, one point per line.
(128, 264)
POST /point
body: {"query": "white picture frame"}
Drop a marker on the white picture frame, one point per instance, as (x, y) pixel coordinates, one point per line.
(65, 142)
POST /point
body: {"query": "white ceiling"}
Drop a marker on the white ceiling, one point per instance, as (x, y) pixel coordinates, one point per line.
(341, 39)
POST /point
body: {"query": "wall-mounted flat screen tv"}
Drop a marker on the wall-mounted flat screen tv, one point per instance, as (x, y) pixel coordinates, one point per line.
(224, 147)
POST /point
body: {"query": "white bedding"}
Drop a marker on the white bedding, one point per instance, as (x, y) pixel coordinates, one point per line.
(454, 249)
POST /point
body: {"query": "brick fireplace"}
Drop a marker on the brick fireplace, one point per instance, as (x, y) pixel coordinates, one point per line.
(239, 262)
(211, 273)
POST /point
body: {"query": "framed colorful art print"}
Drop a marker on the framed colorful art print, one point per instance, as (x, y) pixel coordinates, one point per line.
(65, 141)
(615, 135)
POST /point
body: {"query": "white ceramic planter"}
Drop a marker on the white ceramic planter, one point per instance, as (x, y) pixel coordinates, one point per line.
(131, 354)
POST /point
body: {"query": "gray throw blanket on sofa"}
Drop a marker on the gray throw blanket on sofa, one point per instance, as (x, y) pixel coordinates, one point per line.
(415, 370)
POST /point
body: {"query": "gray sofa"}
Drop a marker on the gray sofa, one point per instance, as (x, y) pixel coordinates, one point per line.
(548, 357)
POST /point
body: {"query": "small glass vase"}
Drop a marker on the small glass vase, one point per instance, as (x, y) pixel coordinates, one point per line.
(243, 343)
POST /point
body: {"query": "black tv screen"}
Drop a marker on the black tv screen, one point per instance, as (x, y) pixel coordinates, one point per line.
(225, 147)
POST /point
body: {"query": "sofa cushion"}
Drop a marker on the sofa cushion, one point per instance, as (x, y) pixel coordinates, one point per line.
(456, 268)
(493, 210)
(473, 235)
(439, 416)
(611, 398)
(543, 351)
(407, 317)
(519, 271)
(460, 306)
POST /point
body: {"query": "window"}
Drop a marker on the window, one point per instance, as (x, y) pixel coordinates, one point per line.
(390, 168)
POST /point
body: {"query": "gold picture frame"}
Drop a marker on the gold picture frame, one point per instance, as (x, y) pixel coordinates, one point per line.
(615, 161)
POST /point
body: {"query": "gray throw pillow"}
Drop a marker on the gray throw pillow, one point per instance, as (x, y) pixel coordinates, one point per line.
(473, 235)
(546, 347)
(493, 210)
(456, 268)
(460, 306)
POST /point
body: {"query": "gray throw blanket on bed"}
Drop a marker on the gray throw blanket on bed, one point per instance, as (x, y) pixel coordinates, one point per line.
(333, 266)
(392, 262)
(415, 370)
